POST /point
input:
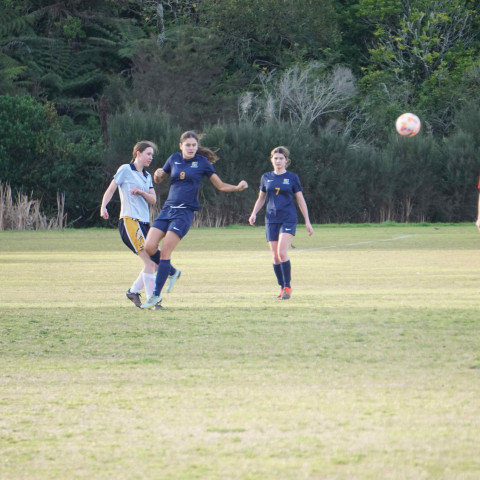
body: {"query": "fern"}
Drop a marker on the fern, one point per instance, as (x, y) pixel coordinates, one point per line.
(12, 24)
(38, 56)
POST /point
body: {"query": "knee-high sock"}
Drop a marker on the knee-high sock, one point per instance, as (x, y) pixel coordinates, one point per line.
(138, 284)
(162, 275)
(287, 273)
(149, 280)
(156, 258)
(279, 274)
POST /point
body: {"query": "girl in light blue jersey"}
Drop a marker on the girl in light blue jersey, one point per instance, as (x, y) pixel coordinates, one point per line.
(279, 188)
(186, 169)
(136, 194)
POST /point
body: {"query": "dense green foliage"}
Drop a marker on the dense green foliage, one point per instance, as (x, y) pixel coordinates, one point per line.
(325, 78)
(37, 157)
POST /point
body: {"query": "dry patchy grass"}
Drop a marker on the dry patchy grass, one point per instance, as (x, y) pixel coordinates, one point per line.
(370, 371)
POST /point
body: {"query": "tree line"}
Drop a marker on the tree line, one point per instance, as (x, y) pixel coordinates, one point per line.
(81, 82)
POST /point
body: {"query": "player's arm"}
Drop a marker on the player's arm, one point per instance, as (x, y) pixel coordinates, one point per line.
(226, 187)
(159, 176)
(150, 197)
(107, 196)
(302, 205)
(257, 207)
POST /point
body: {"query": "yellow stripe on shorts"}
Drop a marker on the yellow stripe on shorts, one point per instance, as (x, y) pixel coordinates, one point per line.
(134, 233)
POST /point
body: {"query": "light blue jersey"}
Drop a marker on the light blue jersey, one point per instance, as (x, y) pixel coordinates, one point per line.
(133, 206)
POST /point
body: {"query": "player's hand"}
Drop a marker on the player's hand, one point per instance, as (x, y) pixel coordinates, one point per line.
(252, 219)
(242, 186)
(104, 213)
(135, 191)
(309, 229)
(158, 175)
(477, 223)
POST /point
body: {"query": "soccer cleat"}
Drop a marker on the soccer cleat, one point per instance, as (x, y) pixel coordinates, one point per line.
(134, 297)
(287, 292)
(279, 296)
(172, 279)
(158, 307)
(152, 301)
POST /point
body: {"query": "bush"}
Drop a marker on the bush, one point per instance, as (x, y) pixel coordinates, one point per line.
(418, 179)
(37, 158)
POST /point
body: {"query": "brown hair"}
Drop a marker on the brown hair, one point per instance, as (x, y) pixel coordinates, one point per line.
(284, 151)
(211, 155)
(141, 147)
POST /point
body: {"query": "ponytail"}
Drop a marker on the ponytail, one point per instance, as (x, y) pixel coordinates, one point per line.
(211, 155)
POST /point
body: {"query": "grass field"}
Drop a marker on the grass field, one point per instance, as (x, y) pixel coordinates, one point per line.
(370, 371)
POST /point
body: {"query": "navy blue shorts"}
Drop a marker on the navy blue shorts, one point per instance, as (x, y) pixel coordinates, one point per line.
(273, 230)
(177, 220)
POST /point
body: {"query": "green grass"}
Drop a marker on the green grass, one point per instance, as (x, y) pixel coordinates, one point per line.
(370, 371)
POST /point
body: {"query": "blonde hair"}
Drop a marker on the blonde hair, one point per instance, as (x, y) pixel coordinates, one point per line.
(141, 147)
(211, 155)
(282, 150)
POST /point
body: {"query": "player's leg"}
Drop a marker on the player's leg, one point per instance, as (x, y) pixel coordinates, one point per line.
(284, 242)
(174, 273)
(149, 268)
(161, 224)
(277, 268)
(153, 239)
(170, 241)
(272, 231)
(176, 225)
(133, 234)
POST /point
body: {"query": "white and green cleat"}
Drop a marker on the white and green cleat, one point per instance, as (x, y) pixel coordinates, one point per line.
(152, 301)
(172, 279)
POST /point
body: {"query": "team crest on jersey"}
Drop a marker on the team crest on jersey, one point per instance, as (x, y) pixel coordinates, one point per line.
(194, 164)
(286, 181)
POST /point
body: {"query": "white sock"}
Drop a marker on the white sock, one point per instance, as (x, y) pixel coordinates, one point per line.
(137, 285)
(149, 281)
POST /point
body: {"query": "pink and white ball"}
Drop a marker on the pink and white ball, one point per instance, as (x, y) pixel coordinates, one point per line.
(408, 125)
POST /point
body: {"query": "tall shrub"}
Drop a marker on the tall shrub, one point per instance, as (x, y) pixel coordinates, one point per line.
(461, 166)
(36, 158)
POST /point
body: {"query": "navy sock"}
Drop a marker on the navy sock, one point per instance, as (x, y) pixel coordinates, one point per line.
(279, 274)
(156, 259)
(287, 273)
(162, 274)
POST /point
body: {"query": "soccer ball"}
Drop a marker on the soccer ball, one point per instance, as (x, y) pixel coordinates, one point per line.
(408, 125)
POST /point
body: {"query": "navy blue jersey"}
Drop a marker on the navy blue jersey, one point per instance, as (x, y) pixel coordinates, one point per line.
(280, 190)
(186, 177)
